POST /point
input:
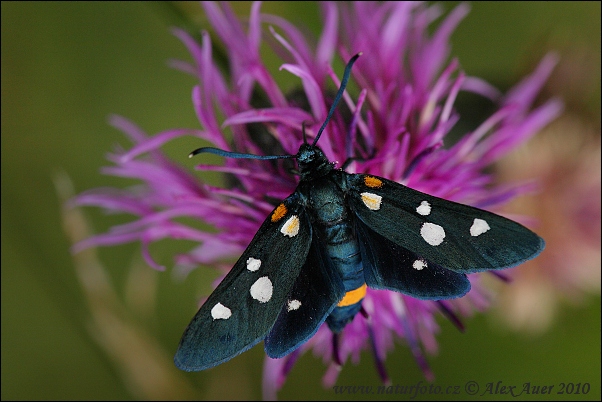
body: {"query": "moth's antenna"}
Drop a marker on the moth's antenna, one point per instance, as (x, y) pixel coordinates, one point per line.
(337, 98)
(236, 155)
(303, 131)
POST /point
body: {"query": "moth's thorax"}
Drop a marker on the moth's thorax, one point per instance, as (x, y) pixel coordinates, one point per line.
(312, 162)
(326, 199)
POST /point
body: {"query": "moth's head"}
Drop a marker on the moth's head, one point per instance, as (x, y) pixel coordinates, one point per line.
(312, 162)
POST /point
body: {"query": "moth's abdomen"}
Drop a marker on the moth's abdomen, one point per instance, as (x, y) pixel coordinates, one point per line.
(336, 232)
(344, 253)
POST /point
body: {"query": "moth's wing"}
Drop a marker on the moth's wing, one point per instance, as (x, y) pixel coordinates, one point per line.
(388, 265)
(316, 292)
(452, 235)
(244, 306)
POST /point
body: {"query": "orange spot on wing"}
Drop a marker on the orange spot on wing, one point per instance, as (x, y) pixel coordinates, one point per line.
(353, 296)
(372, 182)
(279, 212)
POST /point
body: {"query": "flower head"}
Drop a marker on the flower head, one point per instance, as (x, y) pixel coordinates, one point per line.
(569, 269)
(397, 125)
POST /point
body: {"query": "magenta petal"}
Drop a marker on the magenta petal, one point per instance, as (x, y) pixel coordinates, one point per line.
(493, 148)
(481, 87)
(255, 26)
(294, 37)
(106, 239)
(271, 383)
(156, 142)
(332, 374)
(394, 35)
(207, 118)
(296, 55)
(292, 117)
(328, 39)
(126, 126)
(524, 93)
(182, 66)
(227, 27)
(214, 250)
(312, 90)
(190, 43)
(111, 200)
(146, 254)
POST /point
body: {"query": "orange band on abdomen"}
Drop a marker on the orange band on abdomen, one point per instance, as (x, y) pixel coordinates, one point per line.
(353, 296)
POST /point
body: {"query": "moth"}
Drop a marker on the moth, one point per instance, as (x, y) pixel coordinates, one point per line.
(338, 233)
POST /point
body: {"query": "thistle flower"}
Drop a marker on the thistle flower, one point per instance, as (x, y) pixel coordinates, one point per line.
(569, 168)
(566, 159)
(397, 124)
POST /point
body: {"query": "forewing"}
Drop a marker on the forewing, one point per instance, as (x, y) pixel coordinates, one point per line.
(316, 292)
(243, 308)
(455, 236)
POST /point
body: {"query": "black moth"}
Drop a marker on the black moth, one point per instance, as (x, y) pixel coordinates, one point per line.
(314, 255)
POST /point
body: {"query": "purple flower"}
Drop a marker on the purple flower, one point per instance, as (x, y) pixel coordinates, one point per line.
(569, 270)
(398, 121)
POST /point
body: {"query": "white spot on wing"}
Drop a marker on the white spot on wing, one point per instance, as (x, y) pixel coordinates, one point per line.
(220, 312)
(291, 227)
(262, 289)
(432, 234)
(253, 264)
(293, 305)
(372, 201)
(479, 226)
(419, 265)
(424, 208)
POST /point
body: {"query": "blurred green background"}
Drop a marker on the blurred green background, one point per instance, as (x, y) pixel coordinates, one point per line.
(65, 68)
